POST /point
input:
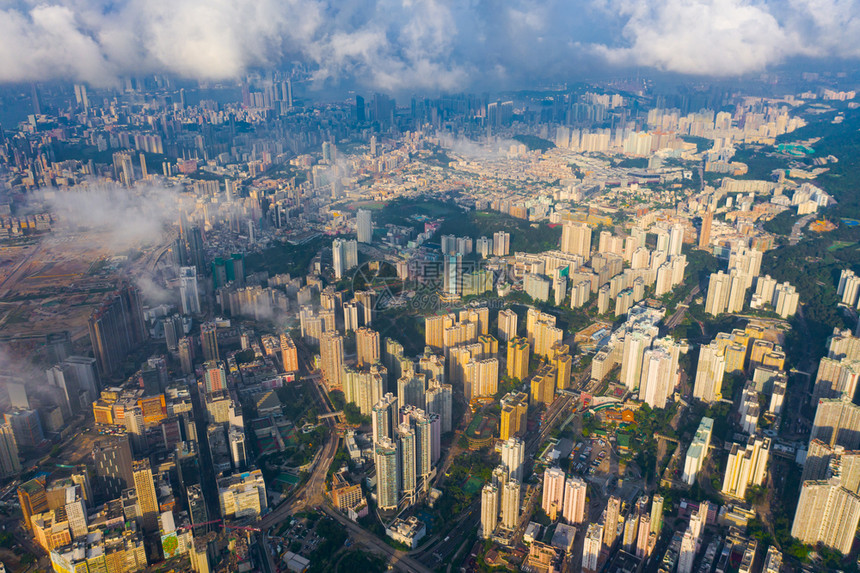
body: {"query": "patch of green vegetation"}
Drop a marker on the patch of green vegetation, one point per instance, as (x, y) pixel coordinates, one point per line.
(702, 143)
(632, 162)
(358, 561)
(353, 415)
(285, 258)
(533, 142)
(782, 223)
(525, 236)
(761, 163)
(814, 270)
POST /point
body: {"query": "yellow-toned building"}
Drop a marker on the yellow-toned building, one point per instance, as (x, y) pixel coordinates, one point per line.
(154, 409)
(735, 354)
(775, 359)
(103, 412)
(489, 345)
(515, 409)
(289, 354)
(543, 385)
(563, 363)
(518, 358)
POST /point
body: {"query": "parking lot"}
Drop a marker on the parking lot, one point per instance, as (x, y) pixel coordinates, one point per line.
(592, 456)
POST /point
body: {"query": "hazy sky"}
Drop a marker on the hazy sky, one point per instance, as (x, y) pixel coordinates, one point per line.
(415, 44)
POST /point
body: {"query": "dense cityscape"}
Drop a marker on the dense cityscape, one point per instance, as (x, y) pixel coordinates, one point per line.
(608, 325)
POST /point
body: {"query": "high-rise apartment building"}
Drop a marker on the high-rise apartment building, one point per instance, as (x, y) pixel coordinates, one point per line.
(592, 548)
(576, 239)
(501, 243)
(837, 423)
(386, 453)
(709, 373)
(384, 417)
(489, 510)
(511, 501)
(553, 492)
(289, 353)
(574, 501)
(514, 415)
(698, 450)
(331, 358)
(367, 346)
(364, 226)
(746, 466)
(658, 377)
(513, 458)
(705, 232)
(827, 513)
(344, 255)
(610, 522)
(518, 358)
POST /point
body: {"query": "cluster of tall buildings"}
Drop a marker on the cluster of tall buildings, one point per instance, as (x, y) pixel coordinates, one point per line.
(636, 534)
(649, 363)
(501, 499)
(746, 350)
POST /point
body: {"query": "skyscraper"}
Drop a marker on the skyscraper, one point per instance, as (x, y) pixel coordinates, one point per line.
(384, 418)
(553, 492)
(331, 357)
(837, 423)
(610, 525)
(657, 514)
(507, 325)
(658, 377)
(209, 341)
(746, 466)
(188, 295)
(364, 226)
(574, 501)
(518, 358)
(344, 255)
(387, 459)
(576, 239)
(709, 373)
(116, 327)
(367, 346)
(513, 458)
(827, 513)
(408, 470)
(514, 414)
(113, 461)
(511, 501)
(489, 510)
(9, 463)
(146, 498)
(705, 233)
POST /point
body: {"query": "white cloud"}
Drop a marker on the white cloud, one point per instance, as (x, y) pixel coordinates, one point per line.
(414, 44)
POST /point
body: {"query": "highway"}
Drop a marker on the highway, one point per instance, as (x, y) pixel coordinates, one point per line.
(399, 560)
(679, 313)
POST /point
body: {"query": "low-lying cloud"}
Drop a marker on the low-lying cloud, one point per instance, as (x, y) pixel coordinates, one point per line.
(414, 44)
(128, 217)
